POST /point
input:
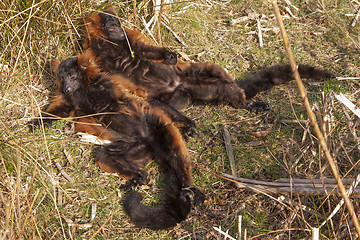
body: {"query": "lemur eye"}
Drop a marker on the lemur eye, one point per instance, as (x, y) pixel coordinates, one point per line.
(73, 76)
(112, 28)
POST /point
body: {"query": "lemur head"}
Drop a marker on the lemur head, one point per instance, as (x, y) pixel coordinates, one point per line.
(77, 71)
(111, 26)
(70, 75)
(106, 24)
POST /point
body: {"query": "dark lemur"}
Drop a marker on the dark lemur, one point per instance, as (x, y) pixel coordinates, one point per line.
(178, 84)
(138, 132)
(59, 107)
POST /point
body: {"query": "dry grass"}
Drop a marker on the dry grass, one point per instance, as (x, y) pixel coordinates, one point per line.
(37, 202)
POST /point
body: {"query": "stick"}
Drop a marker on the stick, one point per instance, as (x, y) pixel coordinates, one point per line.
(62, 171)
(312, 118)
(93, 211)
(159, 21)
(355, 18)
(230, 153)
(239, 226)
(301, 186)
(346, 181)
(135, 13)
(310, 183)
(146, 27)
(315, 233)
(341, 98)
(226, 234)
(259, 33)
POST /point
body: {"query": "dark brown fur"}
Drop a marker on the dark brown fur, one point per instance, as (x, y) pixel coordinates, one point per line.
(180, 84)
(60, 108)
(138, 132)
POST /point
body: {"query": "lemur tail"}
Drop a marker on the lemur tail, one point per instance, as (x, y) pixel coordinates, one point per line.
(171, 154)
(175, 207)
(279, 74)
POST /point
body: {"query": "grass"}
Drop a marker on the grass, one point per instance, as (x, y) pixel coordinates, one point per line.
(37, 202)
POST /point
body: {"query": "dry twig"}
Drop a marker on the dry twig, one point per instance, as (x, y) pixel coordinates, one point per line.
(300, 186)
(355, 18)
(62, 171)
(230, 153)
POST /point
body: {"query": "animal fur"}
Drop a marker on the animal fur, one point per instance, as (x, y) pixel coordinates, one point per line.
(59, 107)
(180, 84)
(138, 132)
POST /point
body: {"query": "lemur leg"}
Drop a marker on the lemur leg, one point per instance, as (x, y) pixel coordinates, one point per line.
(58, 108)
(210, 83)
(185, 124)
(125, 159)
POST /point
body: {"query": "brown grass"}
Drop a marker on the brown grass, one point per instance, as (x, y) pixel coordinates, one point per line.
(37, 202)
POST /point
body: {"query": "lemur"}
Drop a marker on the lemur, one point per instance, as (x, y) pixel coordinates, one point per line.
(137, 132)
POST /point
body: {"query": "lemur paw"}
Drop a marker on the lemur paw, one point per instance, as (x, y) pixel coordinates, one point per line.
(197, 196)
(132, 183)
(170, 58)
(258, 107)
(188, 131)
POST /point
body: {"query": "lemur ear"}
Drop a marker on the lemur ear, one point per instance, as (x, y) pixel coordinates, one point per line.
(83, 66)
(84, 60)
(111, 9)
(87, 62)
(55, 65)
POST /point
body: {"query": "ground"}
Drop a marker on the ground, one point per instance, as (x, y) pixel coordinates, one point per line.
(37, 201)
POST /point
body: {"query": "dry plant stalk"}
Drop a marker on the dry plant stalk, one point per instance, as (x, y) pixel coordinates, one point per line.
(313, 121)
(135, 13)
(300, 186)
(159, 21)
(230, 153)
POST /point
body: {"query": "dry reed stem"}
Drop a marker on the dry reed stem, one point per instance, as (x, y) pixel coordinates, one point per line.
(230, 153)
(261, 190)
(299, 186)
(277, 231)
(313, 121)
(135, 13)
(159, 22)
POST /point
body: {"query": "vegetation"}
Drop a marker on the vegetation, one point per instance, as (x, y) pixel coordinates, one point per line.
(38, 202)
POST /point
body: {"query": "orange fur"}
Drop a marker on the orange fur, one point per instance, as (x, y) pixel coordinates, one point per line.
(107, 168)
(94, 26)
(54, 65)
(183, 151)
(111, 9)
(178, 140)
(88, 62)
(136, 37)
(56, 102)
(145, 132)
(122, 83)
(91, 125)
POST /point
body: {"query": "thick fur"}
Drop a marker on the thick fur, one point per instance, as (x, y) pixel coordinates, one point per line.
(267, 78)
(60, 107)
(141, 46)
(178, 85)
(139, 132)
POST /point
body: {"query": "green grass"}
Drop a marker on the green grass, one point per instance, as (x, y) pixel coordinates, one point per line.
(37, 202)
